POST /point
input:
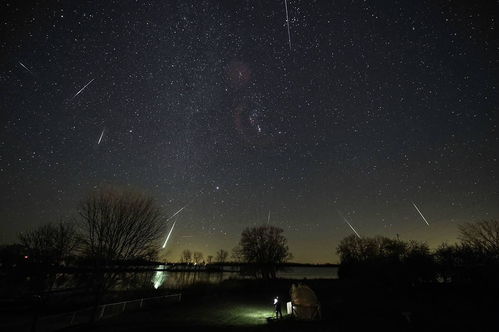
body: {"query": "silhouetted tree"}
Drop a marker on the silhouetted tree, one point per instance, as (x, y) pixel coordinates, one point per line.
(354, 249)
(265, 247)
(475, 259)
(222, 256)
(360, 257)
(47, 247)
(186, 256)
(209, 259)
(383, 259)
(117, 227)
(482, 236)
(237, 255)
(51, 243)
(447, 260)
(198, 257)
(419, 263)
(12, 255)
(13, 264)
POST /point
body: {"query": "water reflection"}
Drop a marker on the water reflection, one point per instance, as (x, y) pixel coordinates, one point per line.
(178, 280)
(182, 279)
(159, 276)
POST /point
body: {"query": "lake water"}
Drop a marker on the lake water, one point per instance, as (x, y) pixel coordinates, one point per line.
(178, 279)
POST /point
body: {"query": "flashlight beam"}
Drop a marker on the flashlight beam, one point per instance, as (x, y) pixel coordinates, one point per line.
(420, 213)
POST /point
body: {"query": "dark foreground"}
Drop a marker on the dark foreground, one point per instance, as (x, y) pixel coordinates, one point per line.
(237, 305)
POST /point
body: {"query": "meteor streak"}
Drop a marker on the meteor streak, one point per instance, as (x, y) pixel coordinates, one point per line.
(353, 229)
(100, 138)
(22, 64)
(420, 213)
(268, 219)
(81, 90)
(169, 233)
(186, 205)
(287, 22)
(173, 215)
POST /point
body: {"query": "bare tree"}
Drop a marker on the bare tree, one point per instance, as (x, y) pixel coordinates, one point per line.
(50, 243)
(222, 256)
(209, 259)
(265, 247)
(48, 247)
(482, 236)
(186, 256)
(236, 255)
(384, 259)
(117, 227)
(354, 249)
(198, 257)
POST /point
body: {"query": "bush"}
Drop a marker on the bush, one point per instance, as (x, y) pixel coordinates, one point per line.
(381, 259)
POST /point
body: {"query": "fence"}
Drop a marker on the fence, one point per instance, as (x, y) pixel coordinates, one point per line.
(54, 322)
(113, 309)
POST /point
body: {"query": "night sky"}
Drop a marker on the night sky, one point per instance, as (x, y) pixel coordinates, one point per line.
(364, 109)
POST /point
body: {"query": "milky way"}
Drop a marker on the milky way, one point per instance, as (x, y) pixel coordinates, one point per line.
(375, 105)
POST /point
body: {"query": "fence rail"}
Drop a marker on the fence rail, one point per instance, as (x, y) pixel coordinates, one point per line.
(59, 321)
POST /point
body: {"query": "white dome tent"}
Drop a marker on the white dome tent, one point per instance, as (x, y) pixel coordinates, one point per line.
(304, 303)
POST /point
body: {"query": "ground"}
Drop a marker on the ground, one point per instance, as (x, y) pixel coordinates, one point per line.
(226, 313)
(246, 305)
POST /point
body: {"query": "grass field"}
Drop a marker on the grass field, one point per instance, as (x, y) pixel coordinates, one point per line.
(220, 313)
(237, 305)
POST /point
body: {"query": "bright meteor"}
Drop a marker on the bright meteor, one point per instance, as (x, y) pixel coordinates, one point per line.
(171, 230)
(353, 229)
(100, 138)
(169, 233)
(420, 213)
(81, 90)
(350, 225)
(173, 215)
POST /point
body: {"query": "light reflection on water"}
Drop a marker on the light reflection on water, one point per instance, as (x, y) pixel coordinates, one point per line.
(159, 277)
(182, 279)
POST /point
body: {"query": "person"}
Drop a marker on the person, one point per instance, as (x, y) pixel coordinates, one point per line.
(277, 306)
